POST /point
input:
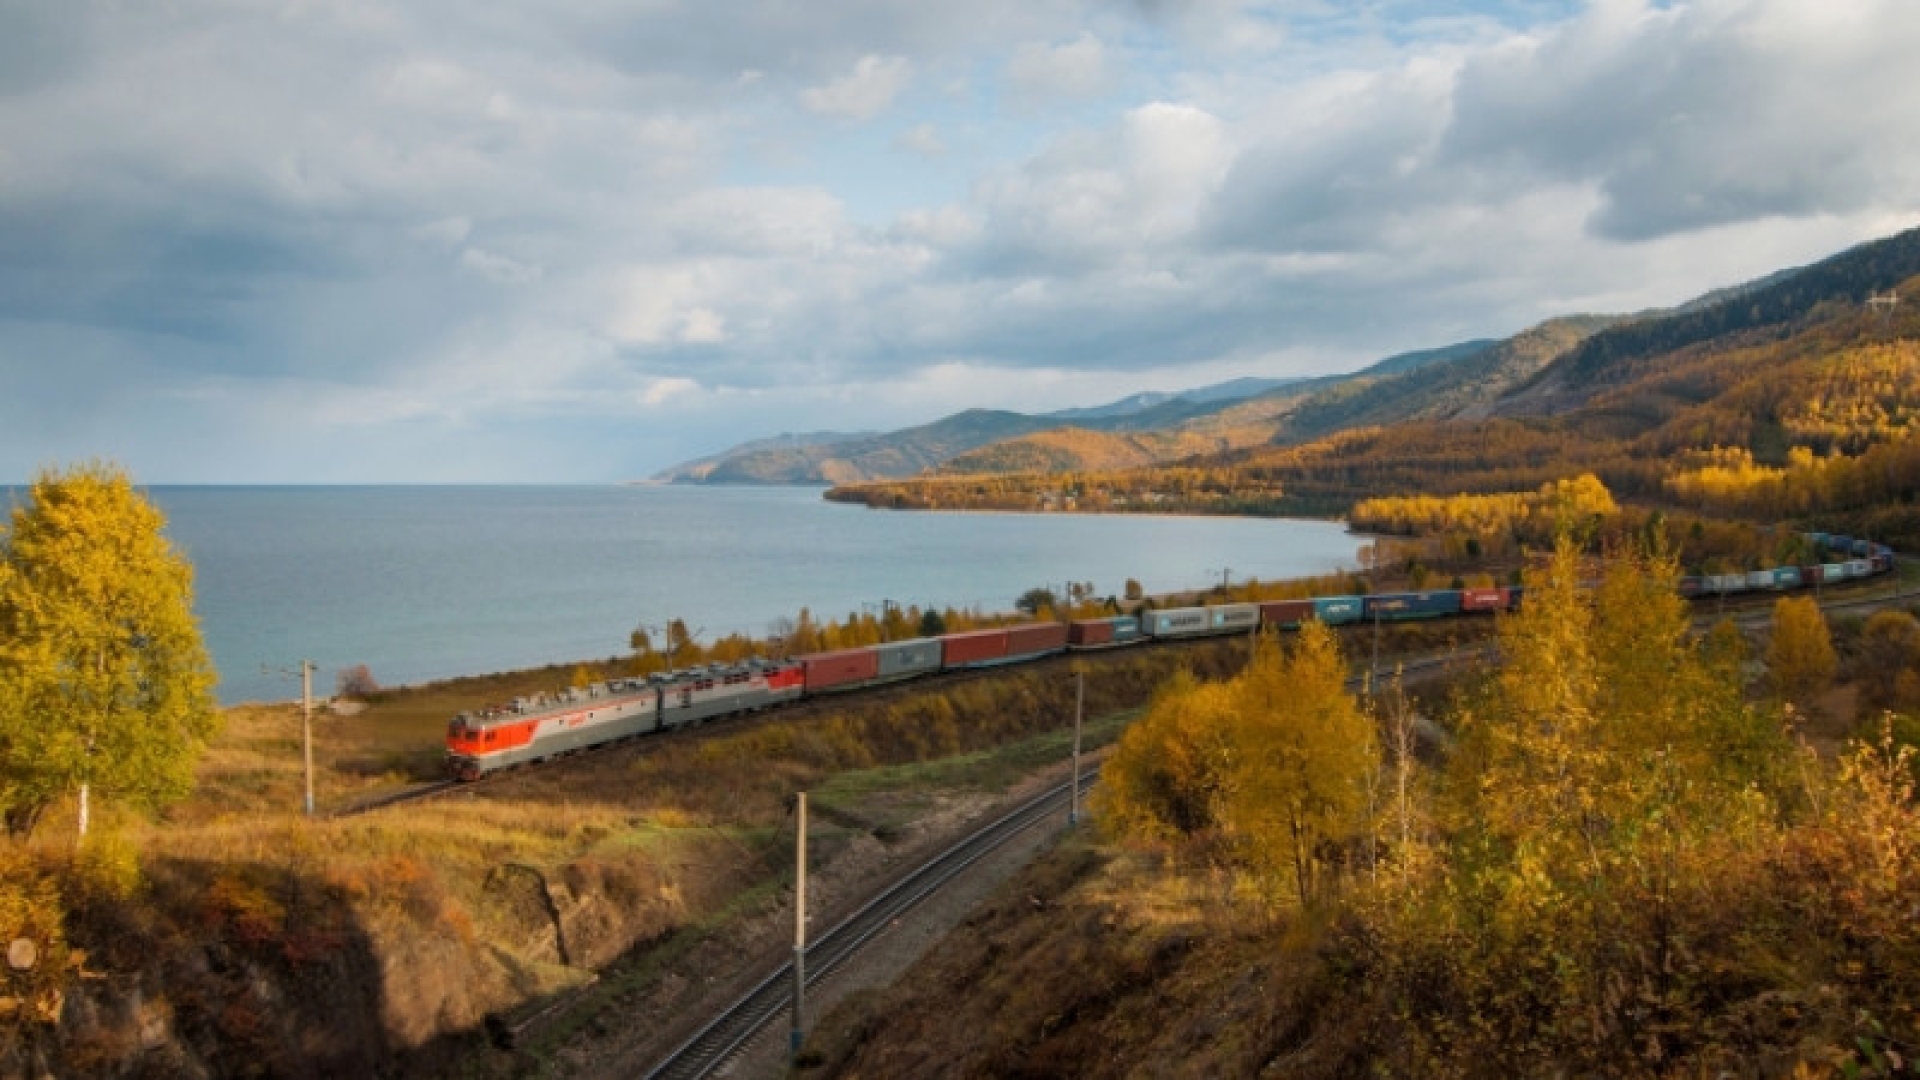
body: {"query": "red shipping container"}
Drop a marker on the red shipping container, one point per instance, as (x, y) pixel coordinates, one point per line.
(1036, 638)
(1483, 599)
(1285, 612)
(1090, 632)
(973, 647)
(826, 670)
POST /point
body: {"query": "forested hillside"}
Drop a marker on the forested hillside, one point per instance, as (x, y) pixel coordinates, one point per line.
(1793, 397)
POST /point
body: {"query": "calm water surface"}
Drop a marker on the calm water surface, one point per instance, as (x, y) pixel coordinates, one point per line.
(423, 583)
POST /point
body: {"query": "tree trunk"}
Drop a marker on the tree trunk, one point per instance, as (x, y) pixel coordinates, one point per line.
(83, 810)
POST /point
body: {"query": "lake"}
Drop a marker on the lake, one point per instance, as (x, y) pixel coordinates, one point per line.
(423, 583)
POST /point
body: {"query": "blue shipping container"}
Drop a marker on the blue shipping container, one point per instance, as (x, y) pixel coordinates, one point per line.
(1419, 605)
(1334, 610)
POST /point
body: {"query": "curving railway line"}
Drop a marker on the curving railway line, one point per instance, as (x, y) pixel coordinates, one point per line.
(715, 1044)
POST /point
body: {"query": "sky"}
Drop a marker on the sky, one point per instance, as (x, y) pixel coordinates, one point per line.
(334, 241)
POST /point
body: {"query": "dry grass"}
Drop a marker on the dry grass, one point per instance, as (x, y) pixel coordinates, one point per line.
(437, 913)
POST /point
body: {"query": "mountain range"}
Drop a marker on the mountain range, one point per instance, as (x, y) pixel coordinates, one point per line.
(1558, 365)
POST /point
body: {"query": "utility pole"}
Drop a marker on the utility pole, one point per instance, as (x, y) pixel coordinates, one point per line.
(1373, 667)
(1079, 708)
(799, 927)
(306, 718)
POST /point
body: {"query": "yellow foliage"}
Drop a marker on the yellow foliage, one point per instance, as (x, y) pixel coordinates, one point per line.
(1495, 522)
(1276, 761)
(1800, 657)
(1303, 753)
(1164, 780)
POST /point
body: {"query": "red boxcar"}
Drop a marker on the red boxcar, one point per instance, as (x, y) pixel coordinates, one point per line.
(828, 670)
(973, 647)
(1287, 614)
(1483, 599)
(1811, 575)
(1090, 632)
(1032, 638)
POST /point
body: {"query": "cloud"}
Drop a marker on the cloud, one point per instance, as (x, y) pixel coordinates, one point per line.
(1077, 69)
(1100, 199)
(863, 93)
(482, 232)
(659, 391)
(499, 268)
(1702, 114)
(923, 140)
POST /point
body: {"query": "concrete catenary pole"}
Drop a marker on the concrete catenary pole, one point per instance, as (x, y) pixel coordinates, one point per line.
(799, 926)
(1079, 708)
(306, 726)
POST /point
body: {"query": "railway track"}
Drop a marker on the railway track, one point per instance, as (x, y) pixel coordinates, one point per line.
(726, 1034)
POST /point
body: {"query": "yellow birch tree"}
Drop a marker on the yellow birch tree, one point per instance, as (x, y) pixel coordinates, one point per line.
(105, 686)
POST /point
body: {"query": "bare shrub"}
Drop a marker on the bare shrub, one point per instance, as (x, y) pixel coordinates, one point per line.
(355, 682)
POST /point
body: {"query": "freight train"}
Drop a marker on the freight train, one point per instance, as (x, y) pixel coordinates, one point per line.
(533, 729)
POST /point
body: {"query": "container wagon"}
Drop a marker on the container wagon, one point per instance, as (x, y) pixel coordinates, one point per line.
(1093, 633)
(1390, 607)
(1233, 618)
(1177, 622)
(1286, 614)
(905, 659)
(973, 648)
(1335, 610)
(841, 670)
(1035, 639)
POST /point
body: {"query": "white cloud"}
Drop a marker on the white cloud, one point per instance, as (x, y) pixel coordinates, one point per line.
(659, 391)
(1702, 114)
(921, 139)
(703, 327)
(449, 232)
(499, 268)
(1039, 73)
(863, 93)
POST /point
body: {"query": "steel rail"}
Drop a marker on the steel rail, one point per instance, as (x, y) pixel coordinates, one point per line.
(723, 1036)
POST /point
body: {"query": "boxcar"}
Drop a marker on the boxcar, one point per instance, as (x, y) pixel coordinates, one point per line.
(1786, 577)
(1692, 585)
(1859, 568)
(1760, 579)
